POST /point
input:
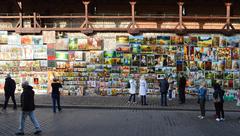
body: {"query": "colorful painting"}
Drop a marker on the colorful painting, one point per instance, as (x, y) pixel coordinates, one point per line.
(95, 43)
(136, 39)
(177, 40)
(61, 55)
(37, 40)
(61, 44)
(26, 40)
(149, 40)
(146, 49)
(14, 40)
(135, 48)
(73, 43)
(204, 41)
(49, 36)
(40, 52)
(122, 39)
(163, 40)
(3, 37)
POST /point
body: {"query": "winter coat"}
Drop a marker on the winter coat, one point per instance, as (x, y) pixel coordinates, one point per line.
(55, 88)
(10, 86)
(164, 85)
(143, 87)
(133, 86)
(218, 95)
(202, 93)
(182, 83)
(27, 99)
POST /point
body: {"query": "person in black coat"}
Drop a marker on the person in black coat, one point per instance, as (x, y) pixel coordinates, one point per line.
(56, 94)
(9, 90)
(164, 85)
(218, 101)
(28, 107)
(181, 88)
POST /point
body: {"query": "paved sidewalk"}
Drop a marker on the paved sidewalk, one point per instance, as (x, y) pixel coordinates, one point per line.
(120, 102)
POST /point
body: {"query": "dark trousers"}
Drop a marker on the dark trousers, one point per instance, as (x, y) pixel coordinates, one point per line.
(7, 96)
(143, 100)
(56, 98)
(164, 99)
(219, 109)
(170, 94)
(202, 106)
(134, 97)
(182, 98)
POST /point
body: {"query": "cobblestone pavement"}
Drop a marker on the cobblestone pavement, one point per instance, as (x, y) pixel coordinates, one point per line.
(113, 122)
(121, 102)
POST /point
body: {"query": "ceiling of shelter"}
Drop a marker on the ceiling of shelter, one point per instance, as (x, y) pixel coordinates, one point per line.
(59, 7)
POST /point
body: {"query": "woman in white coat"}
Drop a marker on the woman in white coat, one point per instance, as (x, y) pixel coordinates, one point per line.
(132, 90)
(143, 90)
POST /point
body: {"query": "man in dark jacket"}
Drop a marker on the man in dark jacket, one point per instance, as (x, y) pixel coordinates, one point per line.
(218, 99)
(181, 88)
(164, 85)
(9, 90)
(56, 94)
(28, 107)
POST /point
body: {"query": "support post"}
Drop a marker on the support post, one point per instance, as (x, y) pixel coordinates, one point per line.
(87, 25)
(228, 28)
(133, 27)
(180, 26)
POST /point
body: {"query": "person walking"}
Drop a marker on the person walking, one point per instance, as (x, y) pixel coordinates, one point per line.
(9, 90)
(202, 93)
(28, 107)
(56, 94)
(143, 90)
(164, 85)
(181, 89)
(132, 90)
(218, 101)
(171, 88)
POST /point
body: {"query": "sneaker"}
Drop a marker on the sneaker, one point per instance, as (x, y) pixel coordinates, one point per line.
(222, 119)
(199, 116)
(134, 102)
(217, 119)
(202, 117)
(19, 133)
(128, 102)
(37, 132)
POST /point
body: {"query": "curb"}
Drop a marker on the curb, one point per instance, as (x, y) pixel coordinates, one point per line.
(124, 108)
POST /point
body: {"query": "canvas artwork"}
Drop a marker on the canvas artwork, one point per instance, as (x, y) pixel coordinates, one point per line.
(73, 43)
(40, 52)
(204, 41)
(37, 40)
(95, 43)
(215, 41)
(26, 40)
(163, 40)
(177, 40)
(14, 40)
(61, 44)
(136, 39)
(49, 36)
(122, 39)
(3, 39)
(149, 40)
(135, 48)
(27, 52)
(62, 55)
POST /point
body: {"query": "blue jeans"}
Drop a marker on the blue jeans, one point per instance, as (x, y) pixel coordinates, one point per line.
(22, 119)
(56, 98)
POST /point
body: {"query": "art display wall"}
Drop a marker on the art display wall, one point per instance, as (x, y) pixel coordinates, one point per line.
(101, 64)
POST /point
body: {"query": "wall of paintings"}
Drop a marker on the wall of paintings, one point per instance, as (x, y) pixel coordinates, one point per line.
(25, 57)
(101, 64)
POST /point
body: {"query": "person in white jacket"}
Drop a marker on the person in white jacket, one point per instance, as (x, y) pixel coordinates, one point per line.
(143, 90)
(132, 90)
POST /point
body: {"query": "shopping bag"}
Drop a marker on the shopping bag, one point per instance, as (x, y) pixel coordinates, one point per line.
(238, 103)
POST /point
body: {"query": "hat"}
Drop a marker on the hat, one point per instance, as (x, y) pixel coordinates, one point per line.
(8, 75)
(25, 83)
